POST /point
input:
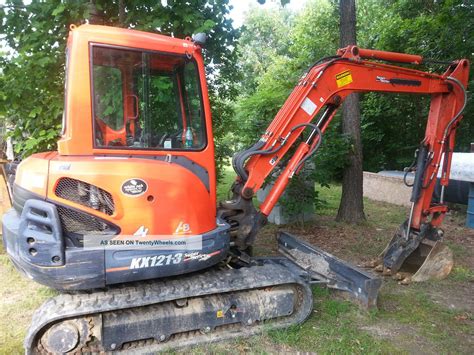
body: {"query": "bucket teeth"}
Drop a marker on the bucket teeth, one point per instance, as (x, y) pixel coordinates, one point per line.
(399, 276)
(422, 257)
(405, 281)
(386, 271)
(372, 263)
(379, 268)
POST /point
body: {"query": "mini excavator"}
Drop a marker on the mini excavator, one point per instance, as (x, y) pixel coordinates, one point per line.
(123, 218)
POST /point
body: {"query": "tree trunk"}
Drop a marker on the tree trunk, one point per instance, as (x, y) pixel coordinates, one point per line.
(121, 13)
(351, 208)
(95, 18)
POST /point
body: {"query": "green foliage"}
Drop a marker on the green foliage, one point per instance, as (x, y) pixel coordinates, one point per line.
(264, 37)
(163, 114)
(254, 112)
(275, 49)
(300, 196)
(331, 158)
(32, 84)
(108, 95)
(315, 33)
(222, 129)
(393, 125)
(33, 70)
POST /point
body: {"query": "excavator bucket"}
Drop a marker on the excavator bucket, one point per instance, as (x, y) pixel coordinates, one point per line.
(421, 258)
(436, 262)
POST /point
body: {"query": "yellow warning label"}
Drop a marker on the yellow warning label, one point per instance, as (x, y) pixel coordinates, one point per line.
(220, 314)
(344, 78)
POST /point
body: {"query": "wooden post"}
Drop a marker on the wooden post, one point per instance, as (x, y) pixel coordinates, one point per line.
(5, 203)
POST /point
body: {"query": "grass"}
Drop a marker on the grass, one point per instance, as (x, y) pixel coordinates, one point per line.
(439, 325)
(19, 298)
(332, 329)
(225, 184)
(409, 319)
(330, 198)
(458, 250)
(462, 274)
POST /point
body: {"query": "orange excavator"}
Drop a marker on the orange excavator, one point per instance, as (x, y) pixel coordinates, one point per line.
(123, 218)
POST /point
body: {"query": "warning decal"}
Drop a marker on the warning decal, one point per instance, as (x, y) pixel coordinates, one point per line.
(344, 78)
(309, 106)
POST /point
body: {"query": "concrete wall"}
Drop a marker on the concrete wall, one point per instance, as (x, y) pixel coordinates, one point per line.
(386, 189)
(388, 186)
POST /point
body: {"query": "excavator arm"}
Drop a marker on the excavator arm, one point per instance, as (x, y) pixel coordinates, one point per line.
(313, 104)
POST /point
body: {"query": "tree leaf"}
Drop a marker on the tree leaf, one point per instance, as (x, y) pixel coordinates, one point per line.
(59, 10)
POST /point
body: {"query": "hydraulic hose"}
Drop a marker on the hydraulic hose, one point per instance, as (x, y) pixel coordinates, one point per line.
(240, 158)
(315, 148)
(456, 116)
(421, 163)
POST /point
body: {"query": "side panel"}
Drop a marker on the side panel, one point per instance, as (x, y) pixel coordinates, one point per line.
(173, 195)
(32, 173)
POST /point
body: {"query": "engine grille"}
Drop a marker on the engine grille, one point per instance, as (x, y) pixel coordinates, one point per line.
(85, 194)
(77, 222)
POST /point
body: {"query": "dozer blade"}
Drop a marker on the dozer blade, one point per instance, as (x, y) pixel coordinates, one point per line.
(420, 258)
(335, 273)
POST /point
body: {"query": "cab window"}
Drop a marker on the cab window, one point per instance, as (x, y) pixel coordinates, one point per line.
(146, 100)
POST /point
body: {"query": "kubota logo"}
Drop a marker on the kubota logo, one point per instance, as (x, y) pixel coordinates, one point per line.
(134, 187)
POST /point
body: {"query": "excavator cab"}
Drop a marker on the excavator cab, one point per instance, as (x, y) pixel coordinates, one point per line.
(135, 164)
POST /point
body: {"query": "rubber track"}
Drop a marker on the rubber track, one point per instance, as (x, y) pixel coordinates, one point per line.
(271, 273)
